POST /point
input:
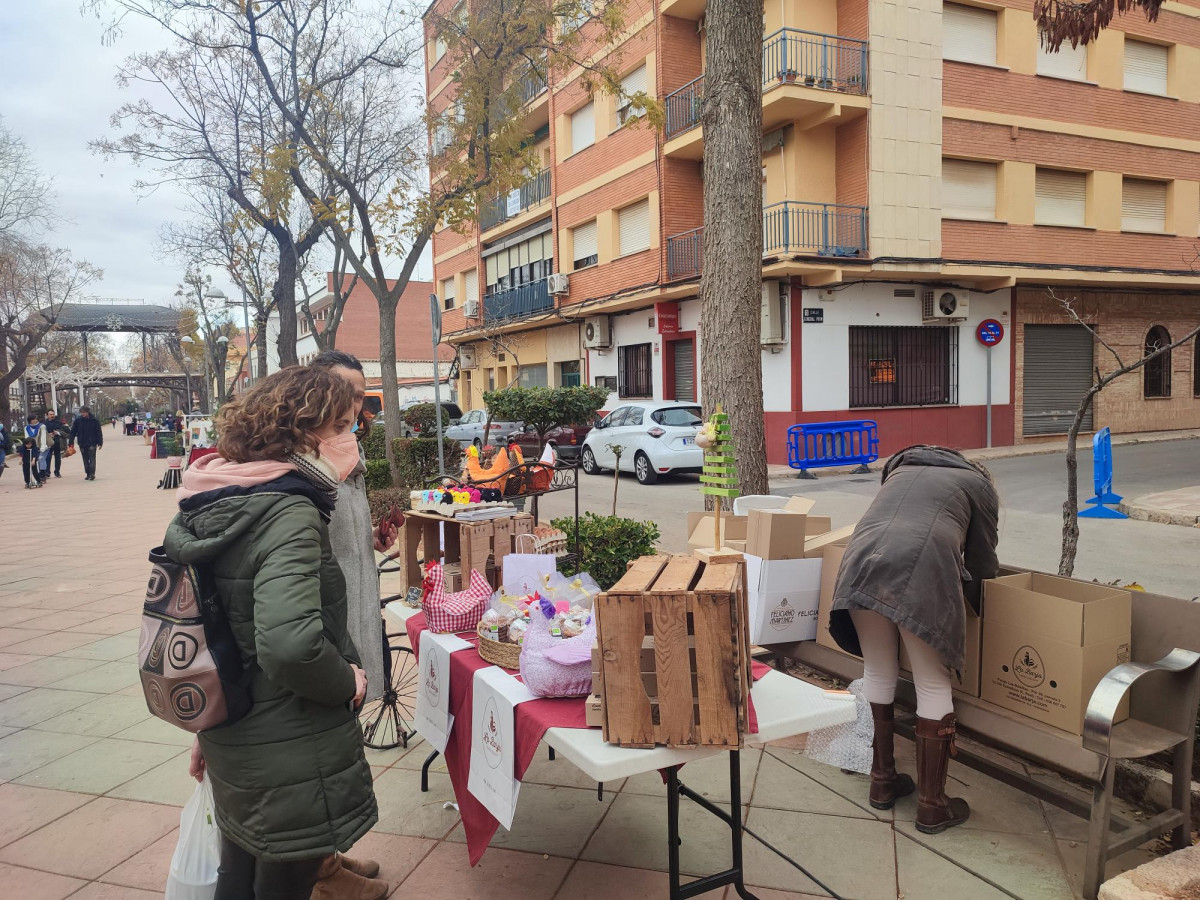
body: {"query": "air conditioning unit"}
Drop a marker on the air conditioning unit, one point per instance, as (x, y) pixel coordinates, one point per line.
(597, 332)
(776, 298)
(466, 356)
(471, 308)
(944, 305)
(558, 283)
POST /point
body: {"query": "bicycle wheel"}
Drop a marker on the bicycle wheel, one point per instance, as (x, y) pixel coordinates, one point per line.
(387, 722)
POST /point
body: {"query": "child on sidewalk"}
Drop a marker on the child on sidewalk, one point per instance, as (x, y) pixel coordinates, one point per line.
(29, 462)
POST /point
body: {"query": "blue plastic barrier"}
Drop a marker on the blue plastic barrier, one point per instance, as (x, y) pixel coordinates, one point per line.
(1102, 479)
(819, 445)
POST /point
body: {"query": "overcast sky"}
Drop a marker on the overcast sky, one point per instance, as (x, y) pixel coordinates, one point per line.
(57, 92)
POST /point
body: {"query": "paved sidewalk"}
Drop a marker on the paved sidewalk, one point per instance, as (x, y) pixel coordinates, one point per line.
(91, 785)
(1179, 507)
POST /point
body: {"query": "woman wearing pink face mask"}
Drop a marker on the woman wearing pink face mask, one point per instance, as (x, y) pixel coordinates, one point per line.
(291, 784)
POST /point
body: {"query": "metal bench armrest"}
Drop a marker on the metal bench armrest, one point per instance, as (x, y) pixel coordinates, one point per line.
(1106, 698)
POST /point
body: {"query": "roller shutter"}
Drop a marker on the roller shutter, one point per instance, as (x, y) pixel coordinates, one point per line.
(1058, 372)
(969, 34)
(684, 360)
(1145, 67)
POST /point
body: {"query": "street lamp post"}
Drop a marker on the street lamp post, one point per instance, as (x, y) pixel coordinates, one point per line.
(40, 353)
(187, 370)
(218, 294)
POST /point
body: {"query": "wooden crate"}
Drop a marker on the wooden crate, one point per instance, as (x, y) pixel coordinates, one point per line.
(674, 655)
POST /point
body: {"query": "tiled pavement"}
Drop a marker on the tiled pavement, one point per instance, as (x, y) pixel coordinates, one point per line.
(91, 785)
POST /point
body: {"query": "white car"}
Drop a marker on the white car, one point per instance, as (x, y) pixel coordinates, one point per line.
(656, 437)
(470, 429)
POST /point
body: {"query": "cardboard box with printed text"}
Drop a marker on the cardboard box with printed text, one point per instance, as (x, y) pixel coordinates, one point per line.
(1047, 642)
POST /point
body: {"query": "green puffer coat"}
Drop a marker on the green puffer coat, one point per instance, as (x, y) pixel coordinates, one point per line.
(290, 779)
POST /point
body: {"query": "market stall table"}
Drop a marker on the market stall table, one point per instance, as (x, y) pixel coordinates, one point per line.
(784, 706)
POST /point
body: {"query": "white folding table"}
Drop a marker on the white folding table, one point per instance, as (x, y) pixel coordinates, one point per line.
(784, 706)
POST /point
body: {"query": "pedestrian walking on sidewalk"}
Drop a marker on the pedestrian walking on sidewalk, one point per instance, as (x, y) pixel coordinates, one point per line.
(917, 557)
(37, 431)
(87, 431)
(56, 434)
(29, 462)
(128, 425)
(5, 443)
(291, 783)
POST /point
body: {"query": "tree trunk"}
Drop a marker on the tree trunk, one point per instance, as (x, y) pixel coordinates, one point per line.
(260, 343)
(731, 282)
(1070, 530)
(284, 294)
(389, 377)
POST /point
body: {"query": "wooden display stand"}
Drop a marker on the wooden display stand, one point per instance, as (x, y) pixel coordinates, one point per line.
(674, 654)
(467, 545)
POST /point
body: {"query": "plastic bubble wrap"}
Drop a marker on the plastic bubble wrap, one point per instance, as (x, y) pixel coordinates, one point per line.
(846, 746)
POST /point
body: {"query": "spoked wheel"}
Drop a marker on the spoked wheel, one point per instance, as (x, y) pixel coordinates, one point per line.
(388, 721)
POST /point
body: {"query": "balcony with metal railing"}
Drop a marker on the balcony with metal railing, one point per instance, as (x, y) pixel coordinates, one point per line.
(520, 199)
(790, 228)
(807, 77)
(518, 302)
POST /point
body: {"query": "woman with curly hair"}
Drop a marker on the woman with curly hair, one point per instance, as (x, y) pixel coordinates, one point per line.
(290, 781)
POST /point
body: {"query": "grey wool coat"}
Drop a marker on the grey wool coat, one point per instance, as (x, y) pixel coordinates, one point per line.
(924, 546)
(354, 548)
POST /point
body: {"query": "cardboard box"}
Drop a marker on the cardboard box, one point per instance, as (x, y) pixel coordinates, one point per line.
(700, 529)
(776, 534)
(831, 563)
(736, 546)
(783, 595)
(972, 649)
(814, 547)
(594, 711)
(1047, 642)
(801, 505)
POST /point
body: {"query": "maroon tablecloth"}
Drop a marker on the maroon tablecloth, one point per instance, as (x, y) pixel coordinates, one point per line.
(532, 718)
(197, 452)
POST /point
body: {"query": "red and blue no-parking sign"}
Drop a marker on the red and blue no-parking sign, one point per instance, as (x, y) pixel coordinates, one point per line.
(990, 332)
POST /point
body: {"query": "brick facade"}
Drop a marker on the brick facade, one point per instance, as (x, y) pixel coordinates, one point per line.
(1123, 320)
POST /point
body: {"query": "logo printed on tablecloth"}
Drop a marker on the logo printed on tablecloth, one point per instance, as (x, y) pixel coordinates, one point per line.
(491, 735)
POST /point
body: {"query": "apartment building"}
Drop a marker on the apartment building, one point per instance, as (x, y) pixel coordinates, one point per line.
(358, 334)
(926, 166)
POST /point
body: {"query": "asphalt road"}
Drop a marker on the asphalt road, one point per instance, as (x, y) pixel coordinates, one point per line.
(1162, 558)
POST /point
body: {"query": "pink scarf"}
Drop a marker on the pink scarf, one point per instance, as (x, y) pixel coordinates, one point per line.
(213, 472)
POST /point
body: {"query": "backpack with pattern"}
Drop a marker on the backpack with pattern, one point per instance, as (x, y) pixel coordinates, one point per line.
(191, 670)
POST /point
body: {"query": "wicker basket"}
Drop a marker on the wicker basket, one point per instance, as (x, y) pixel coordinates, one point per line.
(500, 653)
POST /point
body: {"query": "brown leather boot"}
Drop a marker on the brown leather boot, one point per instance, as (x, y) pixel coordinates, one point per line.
(336, 882)
(367, 868)
(935, 745)
(887, 785)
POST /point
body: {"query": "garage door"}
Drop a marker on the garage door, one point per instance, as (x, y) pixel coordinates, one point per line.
(1058, 372)
(685, 370)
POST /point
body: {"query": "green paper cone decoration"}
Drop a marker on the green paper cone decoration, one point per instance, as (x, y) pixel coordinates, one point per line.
(719, 478)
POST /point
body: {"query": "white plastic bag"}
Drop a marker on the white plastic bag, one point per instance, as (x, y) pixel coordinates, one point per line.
(198, 854)
(846, 746)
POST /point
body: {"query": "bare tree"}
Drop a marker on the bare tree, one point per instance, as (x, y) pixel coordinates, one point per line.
(35, 283)
(1100, 380)
(340, 282)
(218, 234)
(218, 126)
(731, 282)
(26, 195)
(213, 325)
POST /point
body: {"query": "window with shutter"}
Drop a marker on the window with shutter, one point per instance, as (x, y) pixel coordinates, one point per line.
(448, 293)
(1069, 62)
(633, 228)
(471, 287)
(1060, 198)
(968, 189)
(636, 81)
(968, 34)
(584, 240)
(583, 127)
(1145, 67)
(1143, 205)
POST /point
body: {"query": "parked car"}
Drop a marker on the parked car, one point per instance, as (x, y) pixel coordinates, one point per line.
(567, 440)
(470, 429)
(656, 437)
(373, 404)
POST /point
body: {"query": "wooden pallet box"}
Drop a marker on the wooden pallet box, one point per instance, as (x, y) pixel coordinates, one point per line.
(674, 659)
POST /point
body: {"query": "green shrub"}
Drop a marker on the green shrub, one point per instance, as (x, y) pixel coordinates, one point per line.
(375, 443)
(417, 460)
(379, 475)
(422, 417)
(607, 544)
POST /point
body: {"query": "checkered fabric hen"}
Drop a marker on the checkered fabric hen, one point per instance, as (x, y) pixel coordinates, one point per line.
(452, 613)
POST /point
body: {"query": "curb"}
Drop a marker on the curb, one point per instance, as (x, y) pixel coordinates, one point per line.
(1162, 517)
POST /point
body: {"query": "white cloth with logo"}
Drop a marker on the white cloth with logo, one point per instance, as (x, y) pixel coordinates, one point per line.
(434, 719)
(493, 741)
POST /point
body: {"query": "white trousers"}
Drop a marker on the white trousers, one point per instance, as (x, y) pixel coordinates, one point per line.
(879, 638)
